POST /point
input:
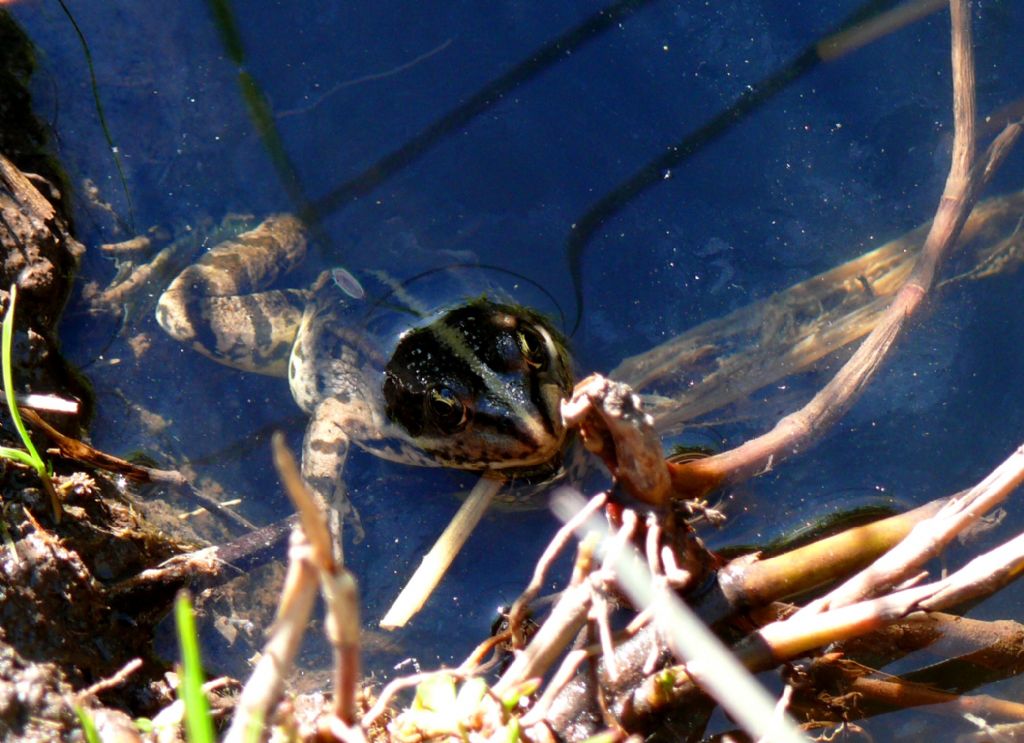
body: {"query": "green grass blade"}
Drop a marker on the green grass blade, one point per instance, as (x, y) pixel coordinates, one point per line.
(92, 735)
(198, 723)
(8, 376)
(102, 116)
(17, 455)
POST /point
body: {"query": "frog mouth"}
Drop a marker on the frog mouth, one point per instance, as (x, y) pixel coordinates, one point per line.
(499, 442)
(545, 432)
(523, 417)
(502, 438)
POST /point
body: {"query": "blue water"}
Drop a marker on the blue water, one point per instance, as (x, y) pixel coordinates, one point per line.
(848, 156)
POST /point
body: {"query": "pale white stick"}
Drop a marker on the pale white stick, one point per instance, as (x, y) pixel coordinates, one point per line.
(437, 561)
(264, 687)
(49, 403)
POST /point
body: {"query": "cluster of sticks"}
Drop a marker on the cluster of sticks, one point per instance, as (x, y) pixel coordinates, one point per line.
(666, 660)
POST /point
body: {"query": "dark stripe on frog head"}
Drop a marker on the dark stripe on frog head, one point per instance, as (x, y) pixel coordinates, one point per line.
(470, 354)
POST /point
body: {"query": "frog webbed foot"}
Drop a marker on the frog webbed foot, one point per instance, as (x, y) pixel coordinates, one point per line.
(324, 451)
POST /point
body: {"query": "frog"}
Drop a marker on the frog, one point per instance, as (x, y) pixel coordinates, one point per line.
(467, 382)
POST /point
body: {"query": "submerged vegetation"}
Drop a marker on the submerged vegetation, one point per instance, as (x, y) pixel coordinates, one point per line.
(198, 723)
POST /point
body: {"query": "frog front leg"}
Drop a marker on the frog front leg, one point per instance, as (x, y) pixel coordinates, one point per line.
(324, 451)
(217, 307)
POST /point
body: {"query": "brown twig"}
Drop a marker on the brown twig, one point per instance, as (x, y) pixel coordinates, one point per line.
(111, 681)
(310, 557)
(613, 425)
(567, 618)
(836, 688)
(79, 451)
(341, 599)
(570, 665)
(799, 634)
(517, 613)
(266, 683)
(436, 562)
(82, 452)
(797, 430)
(311, 516)
(900, 695)
(791, 637)
(876, 27)
(747, 583)
(972, 651)
(726, 359)
(688, 638)
(337, 584)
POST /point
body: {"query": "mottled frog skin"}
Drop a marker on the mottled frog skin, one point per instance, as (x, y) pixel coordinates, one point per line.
(475, 384)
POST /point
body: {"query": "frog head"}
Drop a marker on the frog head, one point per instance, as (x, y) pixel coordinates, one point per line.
(480, 388)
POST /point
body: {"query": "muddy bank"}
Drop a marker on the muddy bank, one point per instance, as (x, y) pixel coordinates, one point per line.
(60, 631)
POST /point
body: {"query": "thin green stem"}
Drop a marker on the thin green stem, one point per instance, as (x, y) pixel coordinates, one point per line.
(31, 458)
(8, 374)
(198, 723)
(92, 735)
(18, 456)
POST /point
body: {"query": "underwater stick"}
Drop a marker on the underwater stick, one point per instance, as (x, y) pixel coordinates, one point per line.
(436, 562)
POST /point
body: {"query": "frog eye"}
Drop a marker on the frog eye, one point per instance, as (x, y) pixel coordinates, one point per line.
(446, 410)
(531, 345)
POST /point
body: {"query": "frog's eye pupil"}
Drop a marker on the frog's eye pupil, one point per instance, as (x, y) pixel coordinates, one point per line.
(446, 410)
(531, 345)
